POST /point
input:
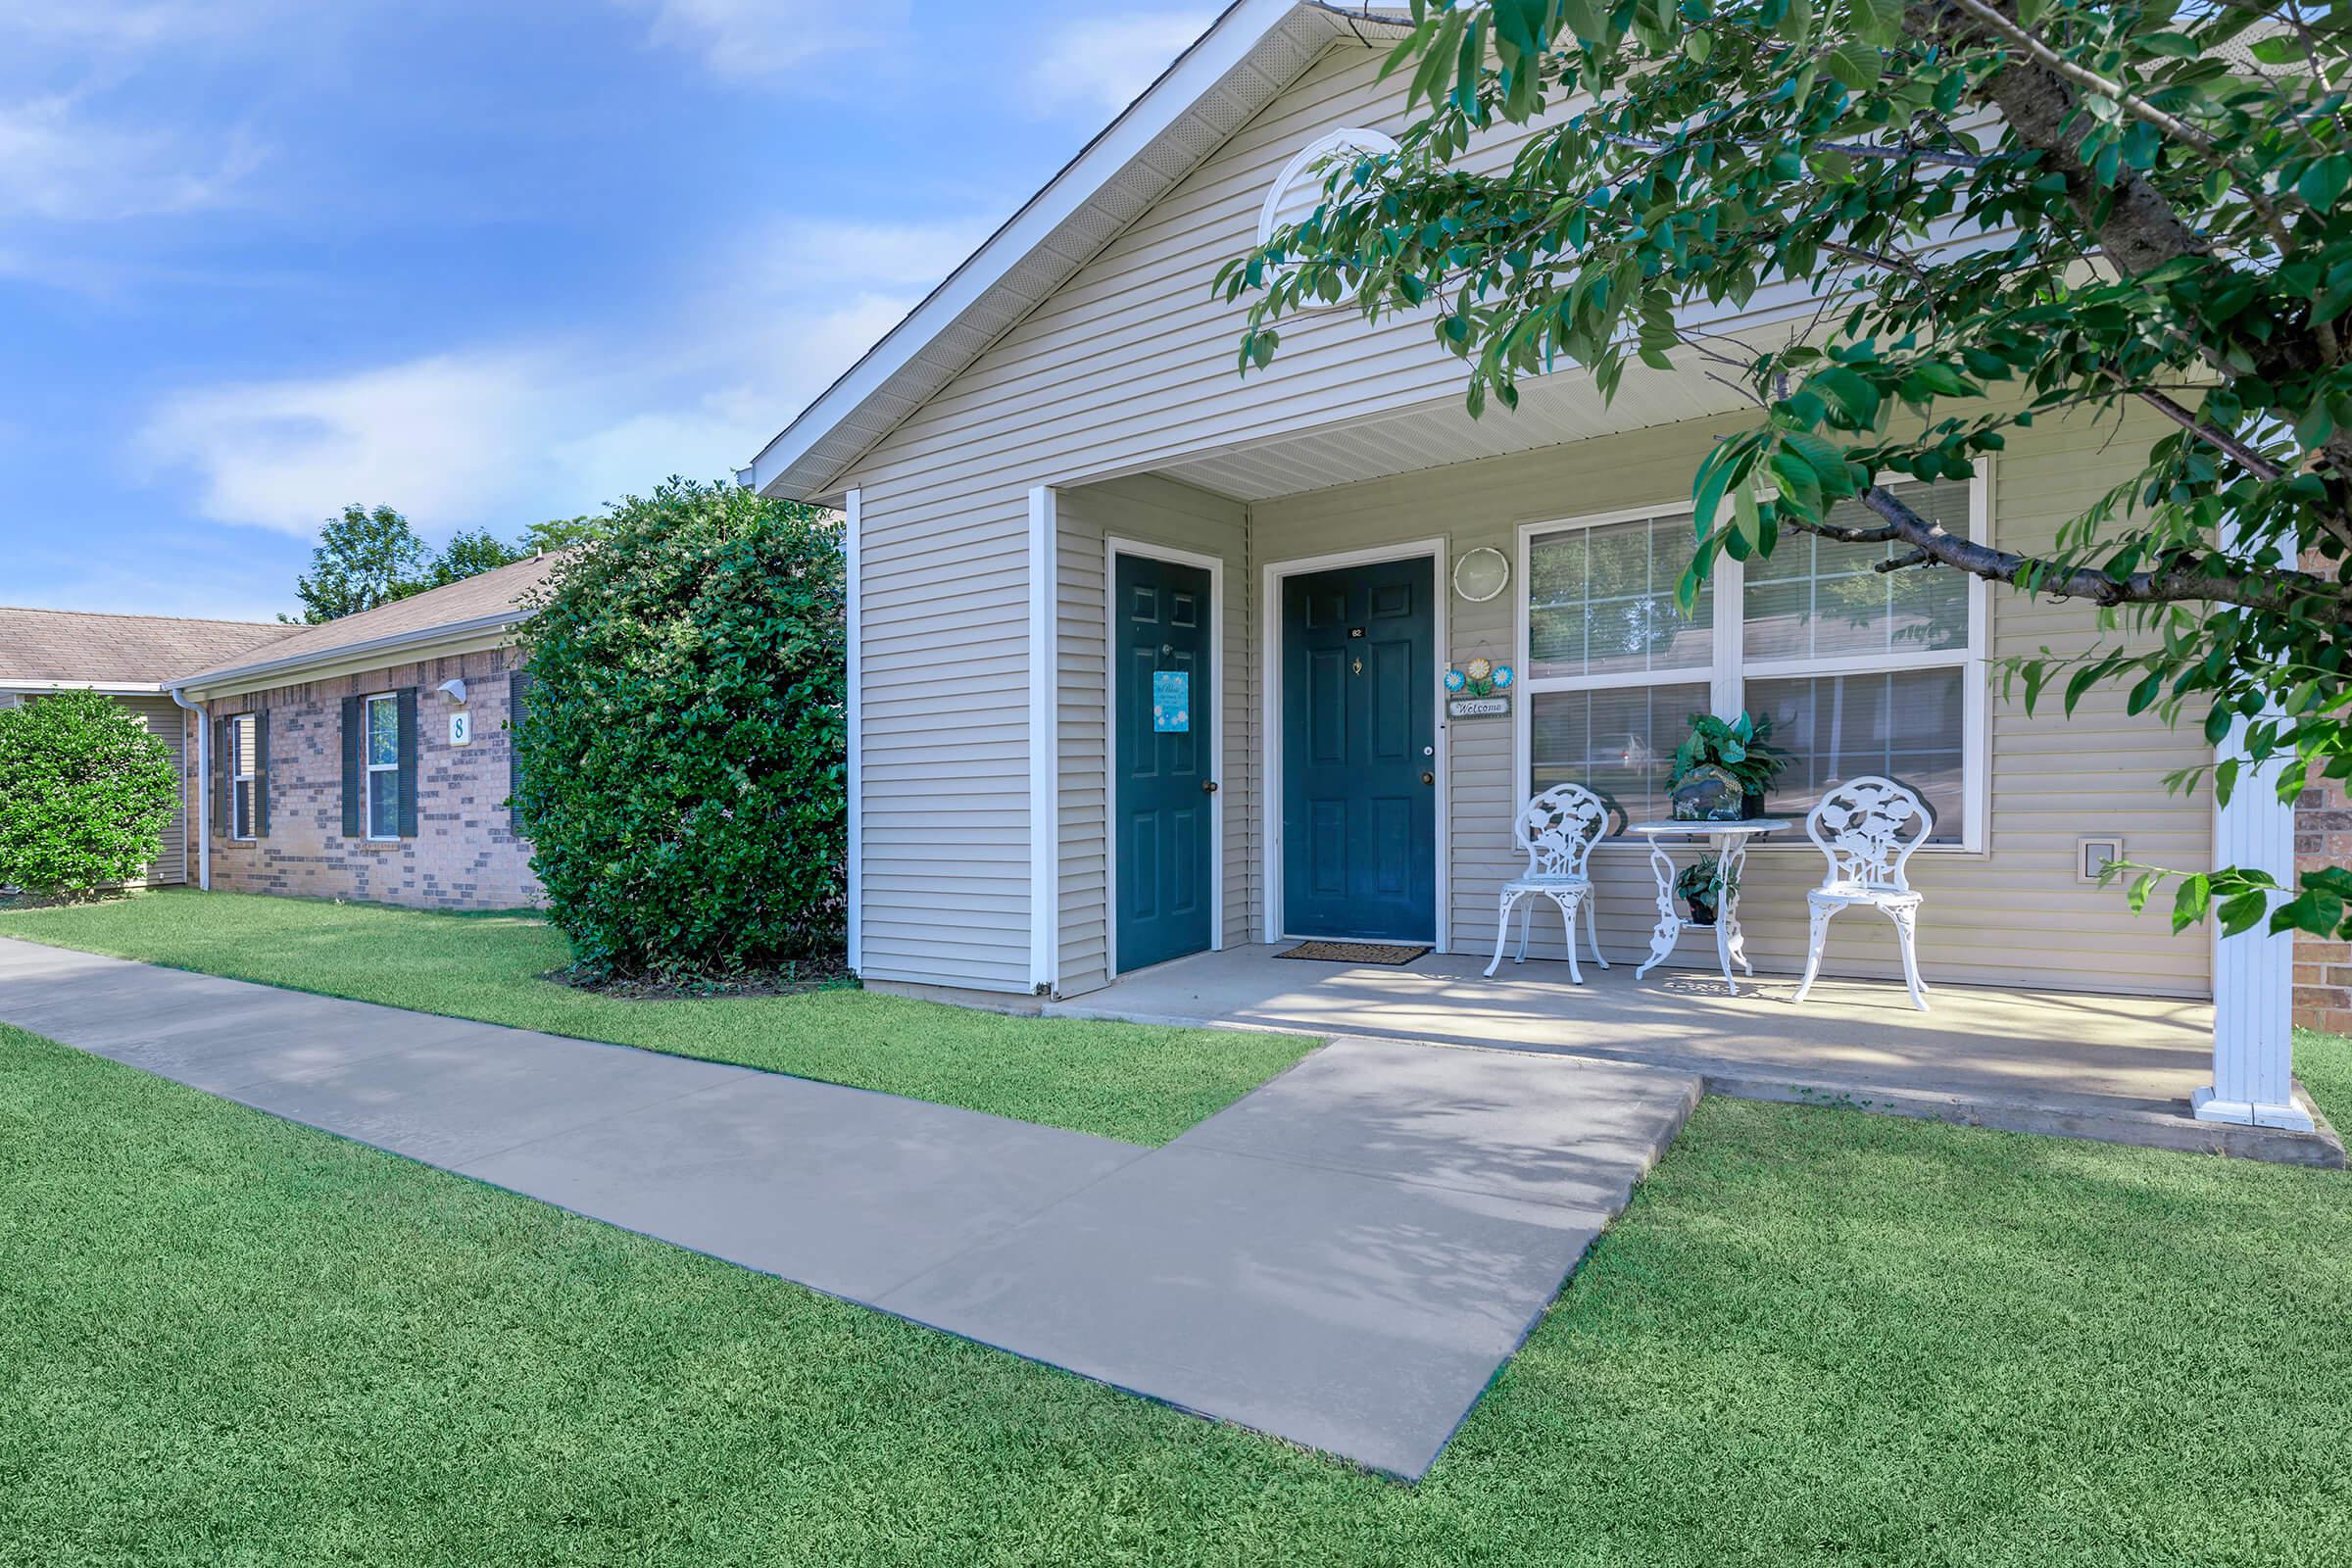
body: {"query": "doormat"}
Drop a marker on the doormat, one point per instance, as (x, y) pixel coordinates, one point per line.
(1391, 953)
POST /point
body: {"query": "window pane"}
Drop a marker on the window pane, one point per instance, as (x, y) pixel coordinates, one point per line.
(1819, 597)
(1600, 600)
(240, 746)
(1617, 741)
(1907, 725)
(240, 809)
(384, 731)
(383, 804)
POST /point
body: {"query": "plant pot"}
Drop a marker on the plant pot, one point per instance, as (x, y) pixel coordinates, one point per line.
(1751, 807)
(1702, 911)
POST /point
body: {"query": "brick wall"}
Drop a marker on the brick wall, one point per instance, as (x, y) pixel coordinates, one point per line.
(463, 857)
(2322, 969)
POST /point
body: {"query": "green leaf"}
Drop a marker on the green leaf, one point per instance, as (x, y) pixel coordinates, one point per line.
(2324, 182)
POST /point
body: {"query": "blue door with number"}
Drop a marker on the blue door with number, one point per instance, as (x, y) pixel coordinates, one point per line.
(1359, 799)
(1163, 661)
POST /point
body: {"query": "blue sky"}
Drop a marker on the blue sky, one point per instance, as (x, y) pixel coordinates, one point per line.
(484, 263)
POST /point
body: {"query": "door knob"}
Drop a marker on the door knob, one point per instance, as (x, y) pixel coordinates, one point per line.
(1427, 777)
(1208, 786)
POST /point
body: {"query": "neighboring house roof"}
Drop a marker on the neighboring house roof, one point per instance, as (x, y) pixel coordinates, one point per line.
(1251, 52)
(489, 603)
(67, 648)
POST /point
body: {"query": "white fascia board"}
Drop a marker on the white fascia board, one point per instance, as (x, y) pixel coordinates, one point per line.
(1226, 44)
(399, 648)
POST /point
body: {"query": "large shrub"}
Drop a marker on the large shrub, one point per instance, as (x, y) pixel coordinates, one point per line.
(682, 759)
(85, 794)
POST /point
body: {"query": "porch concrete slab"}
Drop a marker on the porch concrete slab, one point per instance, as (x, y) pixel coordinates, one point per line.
(1265, 1269)
(1568, 1131)
(1849, 1037)
(842, 1188)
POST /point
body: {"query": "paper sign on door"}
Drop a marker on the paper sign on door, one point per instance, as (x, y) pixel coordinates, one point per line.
(1171, 700)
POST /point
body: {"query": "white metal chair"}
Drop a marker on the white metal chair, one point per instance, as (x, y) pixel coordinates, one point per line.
(1558, 829)
(1867, 827)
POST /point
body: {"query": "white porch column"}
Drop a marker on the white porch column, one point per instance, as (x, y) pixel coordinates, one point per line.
(1045, 745)
(2253, 972)
(854, 722)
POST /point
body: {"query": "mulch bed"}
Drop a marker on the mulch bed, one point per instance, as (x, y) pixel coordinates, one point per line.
(798, 979)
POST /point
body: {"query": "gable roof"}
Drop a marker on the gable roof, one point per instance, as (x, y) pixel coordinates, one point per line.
(1251, 52)
(487, 601)
(82, 647)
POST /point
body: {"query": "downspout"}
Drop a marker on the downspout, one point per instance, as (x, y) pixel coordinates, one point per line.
(204, 790)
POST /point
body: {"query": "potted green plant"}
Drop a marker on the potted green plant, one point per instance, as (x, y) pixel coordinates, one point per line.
(1703, 889)
(1717, 759)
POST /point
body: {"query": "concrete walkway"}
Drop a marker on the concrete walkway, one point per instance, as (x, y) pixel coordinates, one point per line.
(1342, 1258)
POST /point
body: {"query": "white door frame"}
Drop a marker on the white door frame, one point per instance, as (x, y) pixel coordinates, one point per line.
(1113, 547)
(1434, 551)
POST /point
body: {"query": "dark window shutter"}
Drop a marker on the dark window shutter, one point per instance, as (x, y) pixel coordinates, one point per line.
(220, 776)
(355, 738)
(261, 775)
(406, 700)
(518, 706)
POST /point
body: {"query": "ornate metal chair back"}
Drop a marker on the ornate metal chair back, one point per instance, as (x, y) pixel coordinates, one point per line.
(1559, 827)
(1867, 827)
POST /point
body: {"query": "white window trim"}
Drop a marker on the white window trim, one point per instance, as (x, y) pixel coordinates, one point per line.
(370, 768)
(241, 834)
(1730, 670)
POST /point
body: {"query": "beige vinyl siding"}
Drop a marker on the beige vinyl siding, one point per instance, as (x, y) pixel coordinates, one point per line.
(161, 718)
(1129, 360)
(1146, 511)
(2012, 914)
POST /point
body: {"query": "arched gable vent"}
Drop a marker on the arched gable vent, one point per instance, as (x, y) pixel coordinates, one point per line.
(1299, 189)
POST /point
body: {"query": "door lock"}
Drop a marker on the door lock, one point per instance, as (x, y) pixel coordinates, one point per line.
(1428, 777)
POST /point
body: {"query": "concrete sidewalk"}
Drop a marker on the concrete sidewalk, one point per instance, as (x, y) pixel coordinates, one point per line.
(1342, 1258)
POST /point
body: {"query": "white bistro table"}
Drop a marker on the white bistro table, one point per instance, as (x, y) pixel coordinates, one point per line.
(1728, 842)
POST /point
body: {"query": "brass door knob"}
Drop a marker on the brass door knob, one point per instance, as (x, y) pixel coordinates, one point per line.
(1208, 786)
(1428, 777)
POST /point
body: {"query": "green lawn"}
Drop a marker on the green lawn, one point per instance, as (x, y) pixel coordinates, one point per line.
(1129, 1081)
(1817, 1334)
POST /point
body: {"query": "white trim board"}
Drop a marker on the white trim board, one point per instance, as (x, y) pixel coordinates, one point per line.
(1113, 547)
(1045, 744)
(1270, 736)
(854, 727)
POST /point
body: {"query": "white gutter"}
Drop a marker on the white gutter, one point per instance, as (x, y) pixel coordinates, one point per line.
(217, 682)
(111, 688)
(204, 790)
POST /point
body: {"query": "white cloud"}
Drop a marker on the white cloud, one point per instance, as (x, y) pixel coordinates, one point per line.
(1106, 62)
(503, 435)
(743, 39)
(61, 165)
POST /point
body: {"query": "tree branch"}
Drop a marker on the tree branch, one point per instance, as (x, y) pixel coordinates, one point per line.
(2256, 590)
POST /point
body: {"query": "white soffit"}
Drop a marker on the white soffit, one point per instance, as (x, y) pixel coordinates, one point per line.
(1254, 50)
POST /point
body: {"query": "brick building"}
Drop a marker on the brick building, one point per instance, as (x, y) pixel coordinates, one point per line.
(368, 758)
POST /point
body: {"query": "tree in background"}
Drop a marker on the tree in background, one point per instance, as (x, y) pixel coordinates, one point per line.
(2002, 211)
(85, 794)
(683, 760)
(369, 558)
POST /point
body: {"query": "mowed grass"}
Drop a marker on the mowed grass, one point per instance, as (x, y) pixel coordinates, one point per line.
(1816, 1336)
(1127, 1081)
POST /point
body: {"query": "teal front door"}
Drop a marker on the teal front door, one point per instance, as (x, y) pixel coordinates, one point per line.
(1359, 797)
(1162, 787)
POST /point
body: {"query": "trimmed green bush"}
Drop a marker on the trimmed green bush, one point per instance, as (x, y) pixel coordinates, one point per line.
(85, 794)
(682, 759)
